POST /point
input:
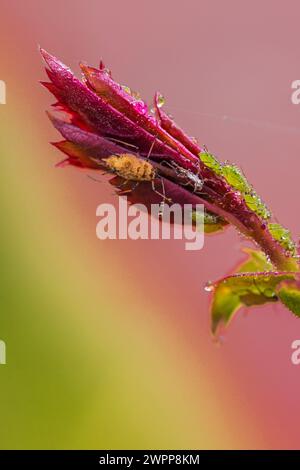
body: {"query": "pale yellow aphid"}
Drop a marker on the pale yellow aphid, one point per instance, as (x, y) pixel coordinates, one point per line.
(133, 168)
(130, 167)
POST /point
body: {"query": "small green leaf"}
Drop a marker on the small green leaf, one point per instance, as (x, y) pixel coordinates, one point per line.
(252, 284)
(255, 262)
(224, 305)
(289, 294)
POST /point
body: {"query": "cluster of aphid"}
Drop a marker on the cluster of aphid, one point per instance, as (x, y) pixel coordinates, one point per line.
(237, 180)
(131, 167)
(283, 236)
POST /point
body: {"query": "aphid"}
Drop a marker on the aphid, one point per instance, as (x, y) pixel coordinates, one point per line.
(133, 168)
(194, 179)
(130, 167)
(189, 177)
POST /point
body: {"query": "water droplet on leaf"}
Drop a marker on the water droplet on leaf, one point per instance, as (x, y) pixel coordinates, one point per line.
(209, 287)
(269, 293)
(126, 89)
(194, 140)
(140, 106)
(153, 120)
(160, 101)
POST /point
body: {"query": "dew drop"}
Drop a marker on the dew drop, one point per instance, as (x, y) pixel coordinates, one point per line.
(209, 287)
(268, 258)
(136, 95)
(269, 293)
(219, 337)
(140, 106)
(160, 100)
(126, 89)
(153, 120)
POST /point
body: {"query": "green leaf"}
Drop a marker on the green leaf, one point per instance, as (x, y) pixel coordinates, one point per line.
(289, 294)
(255, 262)
(225, 304)
(253, 283)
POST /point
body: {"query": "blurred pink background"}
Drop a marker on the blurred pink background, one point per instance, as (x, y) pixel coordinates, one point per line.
(226, 70)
